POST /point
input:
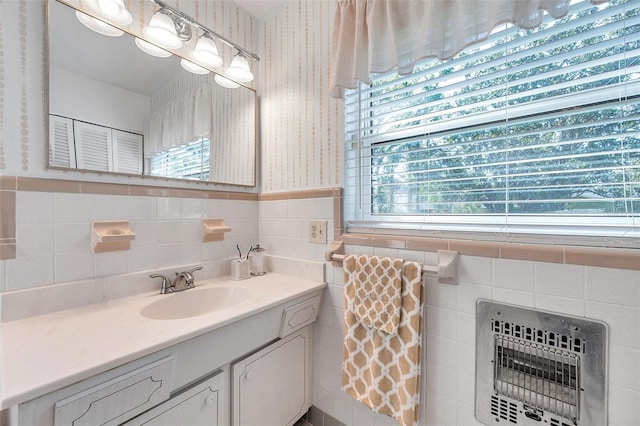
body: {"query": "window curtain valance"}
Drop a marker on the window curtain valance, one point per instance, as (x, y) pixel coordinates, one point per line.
(181, 113)
(375, 36)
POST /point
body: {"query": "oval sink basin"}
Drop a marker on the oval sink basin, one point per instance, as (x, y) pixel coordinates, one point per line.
(195, 302)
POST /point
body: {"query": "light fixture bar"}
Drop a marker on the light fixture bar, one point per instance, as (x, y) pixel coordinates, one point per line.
(193, 22)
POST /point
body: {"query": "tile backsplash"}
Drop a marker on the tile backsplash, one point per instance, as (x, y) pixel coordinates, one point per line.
(53, 231)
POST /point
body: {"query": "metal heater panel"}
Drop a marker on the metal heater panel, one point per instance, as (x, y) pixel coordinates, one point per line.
(539, 368)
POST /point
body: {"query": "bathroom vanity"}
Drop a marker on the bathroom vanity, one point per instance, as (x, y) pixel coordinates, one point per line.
(244, 364)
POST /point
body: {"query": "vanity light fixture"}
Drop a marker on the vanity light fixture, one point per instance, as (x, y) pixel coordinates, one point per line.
(193, 68)
(98, 25)
(169, 28)
(162, 31)
(239, 69)
(151, 49)
(112, 11)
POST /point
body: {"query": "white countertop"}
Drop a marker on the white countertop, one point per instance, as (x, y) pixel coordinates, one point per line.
(41, 354)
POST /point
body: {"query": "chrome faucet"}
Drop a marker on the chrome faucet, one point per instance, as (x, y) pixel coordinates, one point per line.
(184, 281)
(185, 277)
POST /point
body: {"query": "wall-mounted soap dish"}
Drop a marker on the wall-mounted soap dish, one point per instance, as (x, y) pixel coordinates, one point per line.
(214, 230)
(111, 236)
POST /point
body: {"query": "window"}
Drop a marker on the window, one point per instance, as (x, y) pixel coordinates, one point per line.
(528, 132)
(190, 161)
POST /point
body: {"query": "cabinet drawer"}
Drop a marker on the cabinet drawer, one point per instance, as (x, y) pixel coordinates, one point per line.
(300, 315)
(119, 399)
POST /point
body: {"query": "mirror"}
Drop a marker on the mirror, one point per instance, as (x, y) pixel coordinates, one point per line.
(114, 108)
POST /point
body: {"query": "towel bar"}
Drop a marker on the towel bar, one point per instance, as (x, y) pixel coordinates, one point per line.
(447, 268)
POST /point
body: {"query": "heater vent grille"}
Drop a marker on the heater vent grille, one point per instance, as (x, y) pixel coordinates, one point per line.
(503, 409)
(539, 368)
(556, 422)
(537, 335)
(541, 377)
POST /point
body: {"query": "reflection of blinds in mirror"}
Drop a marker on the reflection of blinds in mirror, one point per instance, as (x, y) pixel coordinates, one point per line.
(61, 149)
(190, 161)
(193, 107)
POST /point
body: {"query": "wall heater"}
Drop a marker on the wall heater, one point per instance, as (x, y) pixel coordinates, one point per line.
(539, 368)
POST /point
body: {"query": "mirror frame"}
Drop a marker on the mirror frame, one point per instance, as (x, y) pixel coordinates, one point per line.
(181, 181)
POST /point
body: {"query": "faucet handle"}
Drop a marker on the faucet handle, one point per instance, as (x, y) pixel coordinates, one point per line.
(167, 287)
(197, 268)
(187, 276)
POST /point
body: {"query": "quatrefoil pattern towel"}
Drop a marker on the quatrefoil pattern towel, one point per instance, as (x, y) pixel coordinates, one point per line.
(382, 370)
(377, 282)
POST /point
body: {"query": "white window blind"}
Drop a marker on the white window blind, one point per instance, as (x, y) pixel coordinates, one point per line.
(190, 161)
(528, 132)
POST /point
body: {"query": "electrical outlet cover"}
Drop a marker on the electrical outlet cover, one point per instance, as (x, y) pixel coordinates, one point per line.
(318, 231)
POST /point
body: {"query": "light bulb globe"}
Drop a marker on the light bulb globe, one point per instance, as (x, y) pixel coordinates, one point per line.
(206, 53)
(193, 68)
(239, 69)
(225, 82)
(162, 31)
(151, 49)
(97, 25)
(113, 11)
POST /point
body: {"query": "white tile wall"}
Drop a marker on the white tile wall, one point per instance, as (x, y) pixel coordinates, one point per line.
(610, 295)
(54, 246)
(54, 235)
(284, 227)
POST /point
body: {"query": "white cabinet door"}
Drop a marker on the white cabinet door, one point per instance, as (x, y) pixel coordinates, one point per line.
(273, 386)
(204, 404)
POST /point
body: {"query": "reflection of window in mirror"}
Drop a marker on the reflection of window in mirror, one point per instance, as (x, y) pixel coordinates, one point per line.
(190, 161)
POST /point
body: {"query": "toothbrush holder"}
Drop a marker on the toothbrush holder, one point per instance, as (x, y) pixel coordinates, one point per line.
(239, 269)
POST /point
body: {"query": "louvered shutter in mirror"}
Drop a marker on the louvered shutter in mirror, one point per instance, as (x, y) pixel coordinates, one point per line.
(61, 149)
(127, 152)
(93, 147)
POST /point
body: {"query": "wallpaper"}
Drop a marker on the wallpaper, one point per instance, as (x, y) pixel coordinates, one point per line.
(301, 126)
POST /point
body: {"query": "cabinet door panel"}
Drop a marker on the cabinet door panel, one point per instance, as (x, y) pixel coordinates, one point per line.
(271, 387)
(200, 405)
(118, 399)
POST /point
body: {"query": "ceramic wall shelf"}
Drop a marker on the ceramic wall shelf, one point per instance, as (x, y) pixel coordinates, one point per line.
(214, 230)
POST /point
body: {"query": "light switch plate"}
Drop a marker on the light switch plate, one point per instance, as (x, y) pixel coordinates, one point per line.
(318, 231)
